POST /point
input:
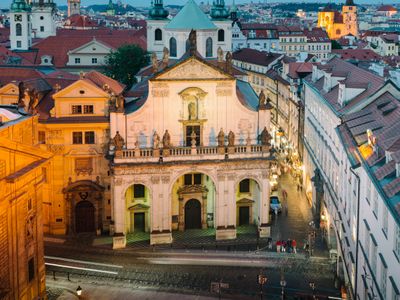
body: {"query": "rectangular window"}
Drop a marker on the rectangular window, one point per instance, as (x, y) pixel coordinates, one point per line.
(41, 28)
(31, 269)
(138, 191)
(189, 130)
(383, 279)
(77, 60)
(375, 207)
(197, 178)
(373, 258)
(88, 109)
(366, 242)
(244, 186)
(42, 137)
(89, 137)
(397, 243)
(77, 138)
(188, 179)
(19, 44)
(94, 60)
(76, 109)
(385, 220)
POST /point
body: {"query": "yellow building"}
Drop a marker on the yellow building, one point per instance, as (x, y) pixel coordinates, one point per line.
(25, 177)
(338, 24)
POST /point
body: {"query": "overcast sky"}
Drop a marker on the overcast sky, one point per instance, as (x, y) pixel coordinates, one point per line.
(6, 3)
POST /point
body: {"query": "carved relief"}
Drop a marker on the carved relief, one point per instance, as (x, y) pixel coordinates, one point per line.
(159, 89)
(56, 149)
(118, 181)
(155, 179)
(83, 166)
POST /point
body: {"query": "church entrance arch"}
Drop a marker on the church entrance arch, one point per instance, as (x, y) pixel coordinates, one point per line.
(247, 202)
(84, 217)
(138, 204)
(193, 202)
(193, 214)
(84, 206)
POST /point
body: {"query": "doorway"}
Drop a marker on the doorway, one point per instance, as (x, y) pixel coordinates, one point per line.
(193, 214)
(139, 222)
(244, 215)
(84, 217)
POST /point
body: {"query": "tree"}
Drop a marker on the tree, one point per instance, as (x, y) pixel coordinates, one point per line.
(336, 45)
(123, 64)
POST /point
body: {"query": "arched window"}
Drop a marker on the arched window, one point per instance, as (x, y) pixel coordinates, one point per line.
(209, 47)
(158, 34)
(221, 35)
(172, 47)
(18, 29)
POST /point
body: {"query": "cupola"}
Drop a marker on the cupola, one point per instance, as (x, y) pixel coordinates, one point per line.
(218, 10)
(157, 10)
(20, 6)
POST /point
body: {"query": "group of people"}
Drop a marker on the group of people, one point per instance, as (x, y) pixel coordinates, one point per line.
(289, 246)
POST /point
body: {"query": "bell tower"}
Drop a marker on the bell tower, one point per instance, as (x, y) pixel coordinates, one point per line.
(20, 25)
(349, 11)
(156, 38)
(43, 18)
(74, 7)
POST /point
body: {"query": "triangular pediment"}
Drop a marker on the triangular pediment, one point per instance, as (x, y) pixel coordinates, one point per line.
(192, 68)
(81, 89)
(92, 47)
(9, 89)
(190, 189)
(139, 206)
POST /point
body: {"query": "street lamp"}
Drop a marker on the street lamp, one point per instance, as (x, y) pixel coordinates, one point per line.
(312, 286)
(262, 279)
(283, 285)
(79, 291)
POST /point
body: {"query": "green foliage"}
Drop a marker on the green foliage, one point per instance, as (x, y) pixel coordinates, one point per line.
(336, 45)
(123, 64)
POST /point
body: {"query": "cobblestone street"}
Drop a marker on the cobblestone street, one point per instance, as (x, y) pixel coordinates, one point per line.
(195, 259)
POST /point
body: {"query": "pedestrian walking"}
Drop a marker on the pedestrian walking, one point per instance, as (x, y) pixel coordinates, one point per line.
(294, 245)
(289, 245)
(284, 194)
(283, 246)
(269, 243)
(278, 246)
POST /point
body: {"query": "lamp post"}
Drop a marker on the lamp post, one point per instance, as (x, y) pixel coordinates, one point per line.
(79, 291)
(312, 286)
(283, 285)
(262, 279)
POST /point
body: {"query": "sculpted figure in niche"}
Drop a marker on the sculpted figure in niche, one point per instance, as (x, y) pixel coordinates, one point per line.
(221, 138)
(156, 140)
(192, 111)
(166, 139)
(265, 137)
(231, 138)
(193, 138)
(118, 141)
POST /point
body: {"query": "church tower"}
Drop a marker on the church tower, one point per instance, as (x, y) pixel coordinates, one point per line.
(155, 27)
(220, 16)
(20, 25)
(43, 18)
(349, 11)
(74, 7)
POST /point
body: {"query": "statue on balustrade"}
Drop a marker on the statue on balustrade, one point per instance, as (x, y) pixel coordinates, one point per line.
(221, 138)
(156, 140)
(265, 137)
(166, 139)
(231, 139)
(118, 142)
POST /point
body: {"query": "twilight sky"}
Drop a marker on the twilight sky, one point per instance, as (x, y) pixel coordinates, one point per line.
(6, 3)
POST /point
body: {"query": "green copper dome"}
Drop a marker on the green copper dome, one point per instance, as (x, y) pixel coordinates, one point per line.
(20, 6)
(218, 10)
(157, 10)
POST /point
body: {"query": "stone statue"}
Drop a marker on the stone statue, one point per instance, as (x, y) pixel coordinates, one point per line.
(220, 54)
(165, 58)
(265, 137)
(154, 62)
(261, 99)
(231, 139)
(166, 139)
(113, 103)
(228, 62)
(193, 138)
(192, 42)
(221, 138)
(156, 140)
(118, 141)
(192, 111)
(318, 181)
(33, 101)
(21, 94)
(120, 103)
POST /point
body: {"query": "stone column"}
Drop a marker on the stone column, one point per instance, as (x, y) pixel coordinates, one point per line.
(204, 211)
(264, 206)
(119, 238)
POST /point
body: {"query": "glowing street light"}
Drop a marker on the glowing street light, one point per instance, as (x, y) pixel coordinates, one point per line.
(79, 291)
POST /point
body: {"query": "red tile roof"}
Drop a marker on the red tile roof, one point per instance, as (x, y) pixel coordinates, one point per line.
(386, 8)
(357, 54)
(256, 57)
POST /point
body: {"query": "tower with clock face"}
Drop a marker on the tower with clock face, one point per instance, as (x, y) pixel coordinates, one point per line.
(20, 25)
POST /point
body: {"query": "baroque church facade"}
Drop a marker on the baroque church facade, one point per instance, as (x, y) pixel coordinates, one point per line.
(190, 149)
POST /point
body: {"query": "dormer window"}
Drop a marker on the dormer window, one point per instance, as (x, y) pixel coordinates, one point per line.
(388, 156)
(85, 109)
